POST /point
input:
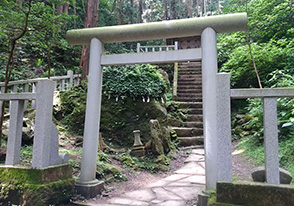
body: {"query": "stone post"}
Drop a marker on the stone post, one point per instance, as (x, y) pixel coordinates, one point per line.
(44, 107)
(71, 77)
(87, 184)
(15, 132)
(34, 89)
(271, 146)
(224, 142)
(1, 102)
(209, 71)
(25, 89)
(13, 90)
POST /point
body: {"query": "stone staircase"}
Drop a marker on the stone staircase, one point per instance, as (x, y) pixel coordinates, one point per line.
(189, 98)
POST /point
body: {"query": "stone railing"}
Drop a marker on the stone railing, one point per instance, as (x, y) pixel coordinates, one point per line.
(61, 83)
(45, 146)
(271, 147)
(156, 48)
(175, 80)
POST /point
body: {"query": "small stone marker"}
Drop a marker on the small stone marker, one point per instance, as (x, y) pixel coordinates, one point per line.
(258, 175)
(138, 150)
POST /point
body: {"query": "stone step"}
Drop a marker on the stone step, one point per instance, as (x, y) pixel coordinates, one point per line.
(186, 87)
(194, 117)
(189, 82)
(192, 95)
(191, 72)
(188, 131)
(195, 111)
(190, 64)
(183, 69)
(188, 141)
(193, 124)
(190, 91)
(188, 99)
(185, 105)
(191, 76)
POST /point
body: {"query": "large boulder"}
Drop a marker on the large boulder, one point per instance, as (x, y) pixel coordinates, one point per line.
(258, 175)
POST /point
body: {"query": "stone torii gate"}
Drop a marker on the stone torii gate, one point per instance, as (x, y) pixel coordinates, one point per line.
(206, 27)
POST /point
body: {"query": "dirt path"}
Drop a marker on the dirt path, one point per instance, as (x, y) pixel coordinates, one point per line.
(139, 179)
(241, 165)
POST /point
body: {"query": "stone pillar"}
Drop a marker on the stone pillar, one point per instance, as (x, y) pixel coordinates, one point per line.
(87, 184)
(15, 132)
(224, 142)
(34, 89)
(71, 77)
(209, 71)
(271, 146)
(25, 89)
(44, 108)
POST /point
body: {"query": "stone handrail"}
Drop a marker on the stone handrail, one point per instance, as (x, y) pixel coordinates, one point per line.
(175, 80)
(271, 147)
(155, 48)
(61, 83)
(45, 148)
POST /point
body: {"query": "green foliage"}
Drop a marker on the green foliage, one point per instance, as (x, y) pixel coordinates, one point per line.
(268, 57)
(118, 118)
(133, 81)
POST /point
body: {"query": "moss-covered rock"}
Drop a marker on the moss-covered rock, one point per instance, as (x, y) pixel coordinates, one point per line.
(120, 119)
(27, 186)
(160, 138)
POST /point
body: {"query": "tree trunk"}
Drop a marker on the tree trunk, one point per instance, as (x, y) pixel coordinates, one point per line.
(165, 14)
(201, 8)
(120, 16)
(65, 7)
(172, 7)
(140, 12)
(197, 8)
(189, 8)
(10, 62)
(91, 20)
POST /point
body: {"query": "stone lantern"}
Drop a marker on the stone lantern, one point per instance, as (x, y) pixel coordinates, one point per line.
(138, 149)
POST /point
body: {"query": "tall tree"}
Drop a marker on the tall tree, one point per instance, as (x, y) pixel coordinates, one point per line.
(91, 20)
(15, 32)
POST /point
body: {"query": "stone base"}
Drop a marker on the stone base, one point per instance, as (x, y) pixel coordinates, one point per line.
(89, 189)
(257, 194)
(28, 186)
(138, 151)
(202, 199)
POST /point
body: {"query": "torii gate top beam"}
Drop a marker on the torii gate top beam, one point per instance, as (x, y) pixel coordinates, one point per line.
(159, 30)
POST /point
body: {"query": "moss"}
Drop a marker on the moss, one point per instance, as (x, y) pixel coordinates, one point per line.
(109, 172)
(212, 201)
(162, 159)
(27, 186)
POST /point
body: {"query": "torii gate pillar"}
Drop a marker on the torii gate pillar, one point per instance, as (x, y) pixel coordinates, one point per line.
(209, 71)
(87, 184)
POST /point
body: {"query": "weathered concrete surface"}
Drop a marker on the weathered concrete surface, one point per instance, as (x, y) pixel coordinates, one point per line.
(175, 190)
(257, 194)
